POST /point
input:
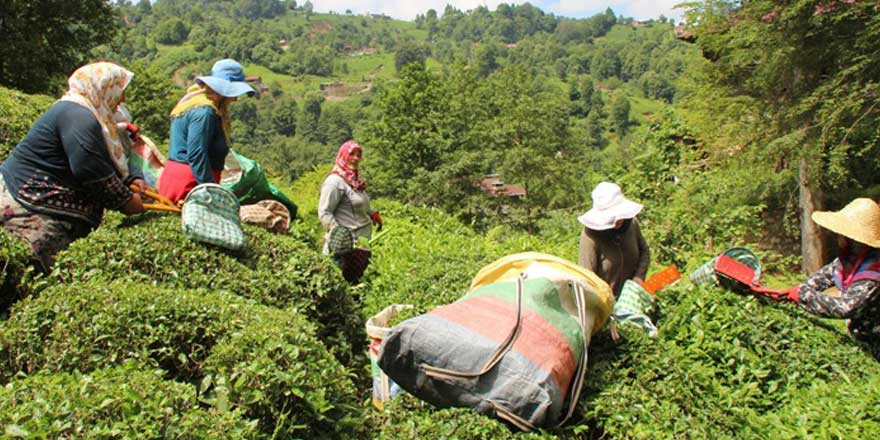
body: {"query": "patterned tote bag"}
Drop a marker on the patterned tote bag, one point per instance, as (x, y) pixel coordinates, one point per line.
(210, 215)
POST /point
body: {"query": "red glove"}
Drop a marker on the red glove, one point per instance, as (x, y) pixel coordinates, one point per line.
(790, 294)
(133, 132)
(377, 220)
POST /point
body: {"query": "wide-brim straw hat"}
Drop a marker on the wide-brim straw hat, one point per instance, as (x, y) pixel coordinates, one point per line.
(609, 206)
(859, 220)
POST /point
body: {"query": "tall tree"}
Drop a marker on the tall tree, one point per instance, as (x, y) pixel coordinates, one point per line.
(813, 68)
(46, 40)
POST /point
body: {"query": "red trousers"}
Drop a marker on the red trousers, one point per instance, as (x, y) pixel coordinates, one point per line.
(177, 180)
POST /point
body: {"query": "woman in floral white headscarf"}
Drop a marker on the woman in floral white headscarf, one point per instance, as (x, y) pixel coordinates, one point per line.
(70, 167)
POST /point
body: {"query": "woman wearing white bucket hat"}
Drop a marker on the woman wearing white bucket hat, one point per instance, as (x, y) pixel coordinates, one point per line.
(611, 242)
(855, 273)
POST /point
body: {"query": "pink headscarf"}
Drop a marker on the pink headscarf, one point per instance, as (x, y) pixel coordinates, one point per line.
(343, 169)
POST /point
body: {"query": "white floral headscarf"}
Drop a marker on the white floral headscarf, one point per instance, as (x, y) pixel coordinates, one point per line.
(99, 87)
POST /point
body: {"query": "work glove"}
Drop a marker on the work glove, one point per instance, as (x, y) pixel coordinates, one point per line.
(790, 294)
(133, 132)
(377, 220)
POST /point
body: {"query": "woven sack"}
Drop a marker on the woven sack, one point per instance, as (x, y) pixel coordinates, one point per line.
(210, 215)
(514, 347)
(633, 306)
(267, 214)
(340, 241)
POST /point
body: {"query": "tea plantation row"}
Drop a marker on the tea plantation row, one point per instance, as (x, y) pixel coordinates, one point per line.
(140, 333)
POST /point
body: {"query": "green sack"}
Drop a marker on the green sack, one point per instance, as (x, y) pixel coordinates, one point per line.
(210, 215)
(247, 180)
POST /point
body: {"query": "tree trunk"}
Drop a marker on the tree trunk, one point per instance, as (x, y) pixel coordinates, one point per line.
(812, 237)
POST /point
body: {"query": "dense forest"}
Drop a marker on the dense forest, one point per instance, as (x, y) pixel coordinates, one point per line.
(731, 127)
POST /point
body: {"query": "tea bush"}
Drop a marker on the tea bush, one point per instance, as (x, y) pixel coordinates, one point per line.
(409, 418)
(275, 270)
(720, 361)
(119, 402)
(723, 366)
(18, 111)
(241, 354)
(15, 259)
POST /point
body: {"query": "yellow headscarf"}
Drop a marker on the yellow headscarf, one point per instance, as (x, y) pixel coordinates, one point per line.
(196, 96)
(99, 88)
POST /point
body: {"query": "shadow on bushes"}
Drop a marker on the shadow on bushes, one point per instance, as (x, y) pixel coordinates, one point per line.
(239, 354)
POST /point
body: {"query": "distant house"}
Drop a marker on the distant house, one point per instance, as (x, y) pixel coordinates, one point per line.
(257, 83)
(510, 45)
(681, 33)
(493, 185)
(332, 87)
(365, 51)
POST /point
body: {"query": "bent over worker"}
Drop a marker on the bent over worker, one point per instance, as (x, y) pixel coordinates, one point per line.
(611, 244)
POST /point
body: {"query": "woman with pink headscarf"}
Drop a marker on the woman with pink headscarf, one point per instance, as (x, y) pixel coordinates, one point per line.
(344, 203)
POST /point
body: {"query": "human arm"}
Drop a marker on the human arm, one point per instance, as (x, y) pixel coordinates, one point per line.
(588, 258)
(327, 203)
(90, 163)
(644, 254)
(811, 297)
(201, 130)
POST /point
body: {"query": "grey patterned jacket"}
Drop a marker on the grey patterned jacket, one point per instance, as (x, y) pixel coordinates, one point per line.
(860, 304)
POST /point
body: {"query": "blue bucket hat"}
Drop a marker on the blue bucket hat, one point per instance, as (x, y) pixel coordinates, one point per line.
(227, 79)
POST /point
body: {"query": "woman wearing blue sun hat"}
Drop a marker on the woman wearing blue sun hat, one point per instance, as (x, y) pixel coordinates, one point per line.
(200, 130)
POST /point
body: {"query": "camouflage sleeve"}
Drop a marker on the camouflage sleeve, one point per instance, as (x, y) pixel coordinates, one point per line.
(812, 298)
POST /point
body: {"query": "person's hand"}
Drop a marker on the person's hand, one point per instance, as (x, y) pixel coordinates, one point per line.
(134, 206)
(133, 132)
(792, 294)
(140, 184)
(377, 220)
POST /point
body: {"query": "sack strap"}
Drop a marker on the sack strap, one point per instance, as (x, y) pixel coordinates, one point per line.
(500, 410)
(581, 373)
(443, 373)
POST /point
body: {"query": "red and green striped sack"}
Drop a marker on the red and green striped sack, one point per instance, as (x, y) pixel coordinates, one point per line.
(513, 347)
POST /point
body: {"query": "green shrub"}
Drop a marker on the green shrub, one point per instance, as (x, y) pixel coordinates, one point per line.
(18, 111)
(121, 402)
(293, 391)
(406, 417)
(261, 359)
(426, 258)
(275, 270)
(719, 360)
(15, 258)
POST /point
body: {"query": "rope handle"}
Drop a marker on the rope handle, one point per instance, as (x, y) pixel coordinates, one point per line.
(443, 373)
(581, 373)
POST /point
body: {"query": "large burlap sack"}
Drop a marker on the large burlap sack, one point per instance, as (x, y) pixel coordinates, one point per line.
(515, 346)
(267, 214)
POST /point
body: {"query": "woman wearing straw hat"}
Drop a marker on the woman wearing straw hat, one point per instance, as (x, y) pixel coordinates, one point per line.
(200, 130)
(611, 243)
(855, 273)
(70, 166)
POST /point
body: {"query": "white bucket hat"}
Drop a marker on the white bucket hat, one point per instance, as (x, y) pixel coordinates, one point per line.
(609, 206)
